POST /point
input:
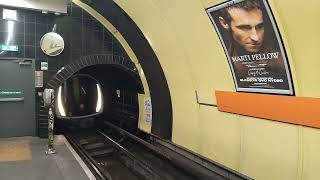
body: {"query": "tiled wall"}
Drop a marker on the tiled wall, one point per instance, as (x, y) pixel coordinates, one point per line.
(83, 35)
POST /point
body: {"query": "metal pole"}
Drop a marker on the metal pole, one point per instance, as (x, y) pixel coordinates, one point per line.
(51, 149)
(48, 97)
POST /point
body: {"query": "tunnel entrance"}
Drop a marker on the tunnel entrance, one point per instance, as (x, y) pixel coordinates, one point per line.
(77, 88)
(80, 98)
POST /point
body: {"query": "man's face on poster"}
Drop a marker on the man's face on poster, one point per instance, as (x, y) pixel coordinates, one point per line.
(246, 27)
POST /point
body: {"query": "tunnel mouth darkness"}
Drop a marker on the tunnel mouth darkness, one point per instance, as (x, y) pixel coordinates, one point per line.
(79, 97)
(119, 97)
(97, 93)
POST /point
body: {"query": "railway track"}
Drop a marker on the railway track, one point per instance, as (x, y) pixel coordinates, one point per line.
(111, 155)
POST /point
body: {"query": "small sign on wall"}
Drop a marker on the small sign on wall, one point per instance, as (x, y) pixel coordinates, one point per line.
(44, 66)
(147, 110)
(38, 78)
(4, 47)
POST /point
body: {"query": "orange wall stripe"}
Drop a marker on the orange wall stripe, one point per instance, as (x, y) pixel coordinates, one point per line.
(296, 110)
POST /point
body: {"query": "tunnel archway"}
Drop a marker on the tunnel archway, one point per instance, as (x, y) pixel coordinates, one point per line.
(117, 21)
(85, 61)
(91, 64)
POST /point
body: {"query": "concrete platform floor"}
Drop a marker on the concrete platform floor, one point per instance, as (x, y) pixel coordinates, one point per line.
(24, 158)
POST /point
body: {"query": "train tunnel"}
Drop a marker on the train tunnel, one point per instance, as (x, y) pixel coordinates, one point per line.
(99, 93)
(150, 90)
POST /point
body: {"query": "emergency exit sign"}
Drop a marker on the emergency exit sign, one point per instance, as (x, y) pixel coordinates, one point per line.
(8, 48)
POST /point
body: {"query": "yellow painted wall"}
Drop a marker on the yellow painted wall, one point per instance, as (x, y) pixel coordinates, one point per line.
(269, 150)
(311, 155)
(300, 24)
(220, 136)
(192, 58)
(170, 51)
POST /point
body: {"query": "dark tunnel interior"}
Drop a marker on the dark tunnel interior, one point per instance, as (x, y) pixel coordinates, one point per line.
(80, 96)
(119, 89)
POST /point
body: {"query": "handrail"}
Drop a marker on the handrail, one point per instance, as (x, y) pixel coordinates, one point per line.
(11, 99)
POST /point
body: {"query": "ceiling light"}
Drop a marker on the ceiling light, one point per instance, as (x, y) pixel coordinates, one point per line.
(9, 14)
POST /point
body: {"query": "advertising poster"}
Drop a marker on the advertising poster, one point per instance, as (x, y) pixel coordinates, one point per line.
(253, 46)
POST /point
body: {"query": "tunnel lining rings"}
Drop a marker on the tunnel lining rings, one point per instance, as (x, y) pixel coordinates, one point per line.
(85, 61)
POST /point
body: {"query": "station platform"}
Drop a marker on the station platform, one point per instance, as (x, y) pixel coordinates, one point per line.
(24, 158)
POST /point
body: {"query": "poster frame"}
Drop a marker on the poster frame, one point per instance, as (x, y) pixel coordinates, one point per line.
(290, 90)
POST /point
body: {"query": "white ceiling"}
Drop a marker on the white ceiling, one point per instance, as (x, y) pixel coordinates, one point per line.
(59, 6)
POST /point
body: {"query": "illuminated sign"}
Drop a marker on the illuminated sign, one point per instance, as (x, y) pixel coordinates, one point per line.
(8, 48)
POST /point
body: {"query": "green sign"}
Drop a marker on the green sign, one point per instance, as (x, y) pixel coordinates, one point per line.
(9, 92)
(8, 48)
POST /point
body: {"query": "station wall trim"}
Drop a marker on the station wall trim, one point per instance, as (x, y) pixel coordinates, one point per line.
(295, 110)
